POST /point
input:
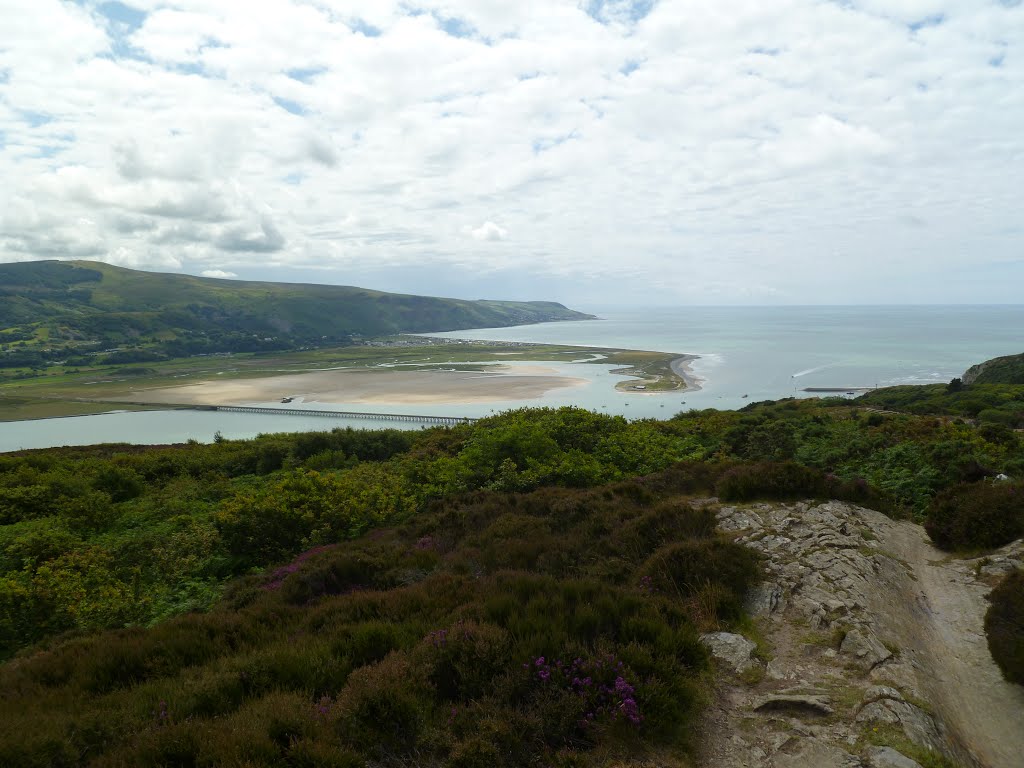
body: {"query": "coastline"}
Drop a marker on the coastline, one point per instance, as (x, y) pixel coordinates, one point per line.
(673, 375)
(682, 368)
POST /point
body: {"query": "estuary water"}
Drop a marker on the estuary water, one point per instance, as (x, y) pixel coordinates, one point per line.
(745, 354)
(773, 352)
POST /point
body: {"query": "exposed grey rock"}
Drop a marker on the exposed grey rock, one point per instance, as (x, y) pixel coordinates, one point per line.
(796, 705)
(999, 566)
(732, 519)
(887, 757)
(812, 753)
(864, 649)
(735, 651)
(765, 599)
(916, 724)
(897, 675)
(879, 692)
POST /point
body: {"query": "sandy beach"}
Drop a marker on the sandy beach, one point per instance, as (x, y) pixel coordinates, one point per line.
(682, 368)
(366, 386)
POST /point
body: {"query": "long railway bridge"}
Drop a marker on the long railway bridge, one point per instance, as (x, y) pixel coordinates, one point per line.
(445, 420)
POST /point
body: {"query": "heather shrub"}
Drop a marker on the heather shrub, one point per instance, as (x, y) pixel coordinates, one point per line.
(687, 567)
(475, 752)
(668, 521)
(1004, 625)
(979, 515)
(461, 662)
(370, 641)
(770, 480)
(416, 644)
(382, 709)
(213, 694)
(327, 576)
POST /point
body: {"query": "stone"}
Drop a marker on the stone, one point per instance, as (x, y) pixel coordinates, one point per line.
(811, 753)
(796, 705)
(864, 649)
(999, 567)
(887, 757)
(732, 519)
(735, 651)
(764, 600)
(897, 675)
(879, 692)
(916, 724)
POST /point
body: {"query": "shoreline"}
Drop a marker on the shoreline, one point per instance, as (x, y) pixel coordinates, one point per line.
(682, 368)
(660, 380)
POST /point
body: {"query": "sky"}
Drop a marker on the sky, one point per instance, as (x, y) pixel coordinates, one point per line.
(595, 152)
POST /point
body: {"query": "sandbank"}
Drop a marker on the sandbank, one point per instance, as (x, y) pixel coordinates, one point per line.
(365, 386)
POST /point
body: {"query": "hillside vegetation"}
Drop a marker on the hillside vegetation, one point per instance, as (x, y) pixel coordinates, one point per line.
(525, 590)
(1000, 370)
(69, 310)
(992, 404)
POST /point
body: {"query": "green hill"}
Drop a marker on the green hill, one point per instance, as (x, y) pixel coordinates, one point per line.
(50, 310)
(1001, 370)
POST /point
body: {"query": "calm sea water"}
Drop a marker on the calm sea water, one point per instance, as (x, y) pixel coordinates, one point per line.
(746, 354)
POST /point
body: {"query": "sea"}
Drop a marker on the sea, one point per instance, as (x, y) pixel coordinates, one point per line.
(744, 354)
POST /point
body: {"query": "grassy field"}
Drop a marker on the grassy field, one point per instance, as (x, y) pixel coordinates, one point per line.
(25, 408)
(63, 391)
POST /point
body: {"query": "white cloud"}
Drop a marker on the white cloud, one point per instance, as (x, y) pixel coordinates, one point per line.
(218, 273)
(768, 152)
(489, 231)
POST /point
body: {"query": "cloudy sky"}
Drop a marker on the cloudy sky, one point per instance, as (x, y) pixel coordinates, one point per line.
(590, 151)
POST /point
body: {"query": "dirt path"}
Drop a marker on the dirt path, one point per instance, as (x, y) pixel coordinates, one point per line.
(983, 713)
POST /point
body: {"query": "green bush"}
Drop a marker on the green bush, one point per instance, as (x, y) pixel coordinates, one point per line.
(979, 515)
(1004, 625)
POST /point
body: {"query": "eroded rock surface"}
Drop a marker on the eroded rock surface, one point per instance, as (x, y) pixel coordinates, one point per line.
(877, 643)
(735, 651)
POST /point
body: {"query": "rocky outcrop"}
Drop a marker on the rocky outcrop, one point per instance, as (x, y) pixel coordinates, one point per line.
(862, 670)
(735, 651)
(887, 757)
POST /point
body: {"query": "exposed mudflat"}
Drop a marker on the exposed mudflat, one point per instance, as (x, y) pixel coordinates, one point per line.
(872, 649)
(389, 386)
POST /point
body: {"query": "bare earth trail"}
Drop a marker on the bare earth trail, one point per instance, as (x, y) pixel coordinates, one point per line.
(873, 652)
(983, 713)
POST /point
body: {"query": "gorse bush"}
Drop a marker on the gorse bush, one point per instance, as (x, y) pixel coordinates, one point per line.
(1004, 625)
(978, 515)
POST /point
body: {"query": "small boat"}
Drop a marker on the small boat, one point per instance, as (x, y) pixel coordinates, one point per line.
(746, 396)
(287, 399)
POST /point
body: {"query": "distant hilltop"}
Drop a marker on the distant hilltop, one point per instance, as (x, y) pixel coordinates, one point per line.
(1000, 370)
(55, 310)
